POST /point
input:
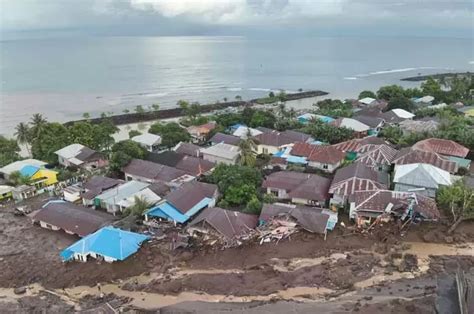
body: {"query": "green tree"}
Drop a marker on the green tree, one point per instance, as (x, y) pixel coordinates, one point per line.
(393, 134)
(140, 205)
(133, 133)
(367, 93)
(248, 153)
(139, 109)
(228, 119)
(389, 92)
(262, 119)
(271, 95)
(327, 133)
(16, 178)
(238, 97)
(226, 176)
(282, 96)
(86, 115)
(53, 137)
(38, 122)
(400, 103)
(225, 99)
(458, 201)
(334, 108)
(254, 206)
(125, 111)
(83, 133)
(8, 151)
(433, 88)
(155, 107)
(171, 133)
(23, 135)
(123, 152)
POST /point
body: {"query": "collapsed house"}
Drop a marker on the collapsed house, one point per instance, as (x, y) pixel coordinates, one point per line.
(108, 243)
(214, 223)
(366, 206)
(279, 221)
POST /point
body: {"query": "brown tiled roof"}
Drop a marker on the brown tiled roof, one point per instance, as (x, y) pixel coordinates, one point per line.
(195, 166)
(153, 171)
(443, 147)
(378, 155)
(278, 161)
(189, 194)
(355, 144)
(373, 122)
(230, 224)
(187, 149)
(320, 153)
(377, 201)
(302, 149)
(87, 155)
(98, 184)
(275, 138)
(203, 128)
(73, 218)
(413, 156)
(311, 219)
(225, 138)
(299, 185)
(357, 177)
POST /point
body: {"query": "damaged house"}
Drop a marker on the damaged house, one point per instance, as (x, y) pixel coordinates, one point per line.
(365, 206)
(184, 202)
(229, 224)
(377, 157)
(80, 156)
(300, 188)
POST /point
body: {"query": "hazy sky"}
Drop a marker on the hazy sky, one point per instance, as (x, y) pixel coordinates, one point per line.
(201, 17)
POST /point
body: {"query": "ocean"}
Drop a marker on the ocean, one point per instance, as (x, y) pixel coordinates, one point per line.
(63, 78)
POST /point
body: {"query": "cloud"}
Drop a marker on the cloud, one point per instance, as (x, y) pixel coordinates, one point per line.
(191, 15)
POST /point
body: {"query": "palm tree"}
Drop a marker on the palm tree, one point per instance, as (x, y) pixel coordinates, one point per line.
(38, 122)
(248, 149)
(140, 206)
(23, 135)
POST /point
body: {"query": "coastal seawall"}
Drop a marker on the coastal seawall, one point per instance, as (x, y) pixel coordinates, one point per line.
(134, 117)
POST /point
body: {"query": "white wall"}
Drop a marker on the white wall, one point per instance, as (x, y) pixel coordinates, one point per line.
(217, 159)
(318, 165)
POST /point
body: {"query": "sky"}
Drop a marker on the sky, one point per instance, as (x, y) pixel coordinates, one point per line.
(239, 17)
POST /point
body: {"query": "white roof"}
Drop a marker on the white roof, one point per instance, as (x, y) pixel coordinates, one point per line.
(5, 189)
(70, 151)
(148, 195)
(354, 125)
(367, 100)
(222, 150)
(242, 132)
(17, 165)
(401, 113)
(425, 99)
(147, 139)
(420, 172)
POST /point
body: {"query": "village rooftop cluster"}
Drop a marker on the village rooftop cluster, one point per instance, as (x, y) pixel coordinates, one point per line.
(299, 181)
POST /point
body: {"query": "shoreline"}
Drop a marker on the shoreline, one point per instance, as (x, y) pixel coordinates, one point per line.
(133, 117)
(421, 78)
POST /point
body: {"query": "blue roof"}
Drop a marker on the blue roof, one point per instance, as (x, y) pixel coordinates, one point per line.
(326, 119)
(167, 211)
(296, 160)
(29, 170)
(279, 153)
(108, 241)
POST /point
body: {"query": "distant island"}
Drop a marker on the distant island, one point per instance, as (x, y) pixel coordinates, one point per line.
(439, 76)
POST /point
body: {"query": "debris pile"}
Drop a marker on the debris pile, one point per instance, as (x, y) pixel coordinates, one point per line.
(278, 228)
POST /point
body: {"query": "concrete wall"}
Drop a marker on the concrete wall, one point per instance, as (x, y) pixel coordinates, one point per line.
(282, 194)
(406, 188)
(217, 159)
(265, 149)
(318, 165)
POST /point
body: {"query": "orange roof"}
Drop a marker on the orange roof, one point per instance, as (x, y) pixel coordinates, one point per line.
(443, 147)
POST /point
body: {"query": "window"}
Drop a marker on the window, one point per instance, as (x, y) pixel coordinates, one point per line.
(274, 193)
(265, 150)
(325, 166)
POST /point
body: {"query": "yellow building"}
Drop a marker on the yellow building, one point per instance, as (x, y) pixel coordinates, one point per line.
(40, 177)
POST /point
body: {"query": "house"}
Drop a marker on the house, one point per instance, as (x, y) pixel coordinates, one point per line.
(40, 177)
(184, 202)
(243, 132)
(96, 185)
(6, 192)
(355, 177)
(148, 141)
(230, 224)
(395, 116)
(355, 146)
(442, 147)
(360, 129)
(221, 153)
(424, 101)
(187, 149)
(72, 193)
(323, 157)
(109, 243)
(191, 165)
(364, 206)
(421, 178)
(374, 123)
(73, 219)
(367, 101)
(271, 142)
(225, 138)
(7, 170)
(418, 126)
(200, 133)
(109, 200)
(314, 220)
(279, 163)
(80, 156)
(150, 172)
(413, 156)
(300, 188)
(377, 157)
(467, 111)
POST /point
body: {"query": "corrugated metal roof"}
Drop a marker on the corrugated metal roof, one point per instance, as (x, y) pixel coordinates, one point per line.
(443, 147)
(222, 150)
(351, 124)
(412, 156)
(225, 138)
(423, 175)
(147, 139)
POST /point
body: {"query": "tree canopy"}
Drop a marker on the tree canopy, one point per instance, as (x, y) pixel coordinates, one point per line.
(327, 133)
(458, 201)
(8, 151)
(367, 93)
(171, 133)
(334, 108)
(400, 102)
(123, 152)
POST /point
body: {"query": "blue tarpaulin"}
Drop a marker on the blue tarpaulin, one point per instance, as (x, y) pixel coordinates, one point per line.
(108, 242)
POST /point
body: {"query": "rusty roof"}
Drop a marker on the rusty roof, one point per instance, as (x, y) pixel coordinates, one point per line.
(275, 138)
(189, 194)
(320, 153)
(73, 218)
(355, 144)
(377, 155)
(357, 177)
(230, 224)
(377, 201)
(412, 156)
(443, 147)
(187, 149)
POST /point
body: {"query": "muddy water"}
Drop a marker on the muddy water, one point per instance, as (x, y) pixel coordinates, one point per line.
(154, 300)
